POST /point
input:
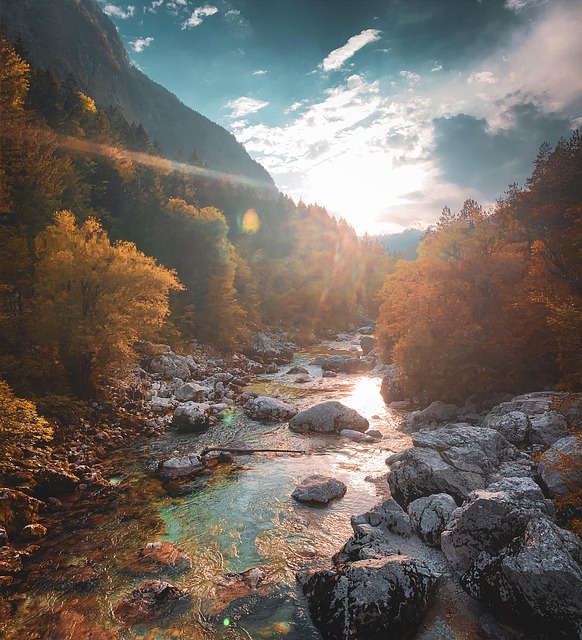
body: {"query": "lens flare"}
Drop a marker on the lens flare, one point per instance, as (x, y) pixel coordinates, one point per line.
(250, 222)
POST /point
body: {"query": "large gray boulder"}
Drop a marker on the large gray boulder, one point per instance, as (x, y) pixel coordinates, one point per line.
(377, 533)
(268, 349)
(529, 419)
(191, 417)
(318, 489)
(430, 515)
(181, 466)
(436, 413)
(343, 364)
(537, 576)
(171, 365)
(367, 343)
(491, 518)
(328, 417)
(455, 459)
(560, 467)
(373, 599)
(269, 409)
(190, 392)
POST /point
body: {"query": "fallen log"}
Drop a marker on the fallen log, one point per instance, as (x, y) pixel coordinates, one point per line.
(248, 451)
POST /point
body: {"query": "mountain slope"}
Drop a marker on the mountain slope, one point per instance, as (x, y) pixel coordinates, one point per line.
(75, 36)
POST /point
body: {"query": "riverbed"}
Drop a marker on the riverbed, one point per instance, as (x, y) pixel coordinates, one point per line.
(235, 517)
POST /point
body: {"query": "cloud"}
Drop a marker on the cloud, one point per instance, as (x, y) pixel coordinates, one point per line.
(472, 153)
(140, 44)
(295, 106)
(198, 16)
(412, 77)
(259, 72)
(517, 6)
(117, 12)
(486, 77)
(437, 67)
(154, 6)
(244, 106)
(338, 56)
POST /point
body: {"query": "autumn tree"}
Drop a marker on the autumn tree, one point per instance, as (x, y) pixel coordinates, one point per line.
(96, 300)
(20, 426)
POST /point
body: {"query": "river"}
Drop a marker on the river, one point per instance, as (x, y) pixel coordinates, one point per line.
(237, 516)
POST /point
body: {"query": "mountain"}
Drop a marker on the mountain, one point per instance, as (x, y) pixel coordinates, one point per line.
(404, 243)
(76, 37)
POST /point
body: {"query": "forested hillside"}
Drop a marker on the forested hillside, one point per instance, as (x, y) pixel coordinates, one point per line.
(75, 38)
(494, 301)
(87, 197)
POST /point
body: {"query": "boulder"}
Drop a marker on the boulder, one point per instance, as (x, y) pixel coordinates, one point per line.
(430, 515)
(373, 599)
(190, 391)
(151, 600)
(297, 370)
(270, 349)
(161, 555)
(54, 482)
(491, 518)
(171, 365)
(439, 412)
(191, 417)
(181, 466)
(328, 417)
(455, 459)
(390, 389)
(528, 420)
(560, 467)
(377, 533)
(342, 364)
(317, 489)
(367, 343)
(269, 409)
(356, 436)
(537, 577)
(33, 532)
(17, 510)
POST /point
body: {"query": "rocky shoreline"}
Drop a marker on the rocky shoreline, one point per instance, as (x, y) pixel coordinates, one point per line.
(470, 506)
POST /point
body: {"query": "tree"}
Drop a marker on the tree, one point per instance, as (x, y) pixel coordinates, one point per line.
(96, 300)
(20, 426)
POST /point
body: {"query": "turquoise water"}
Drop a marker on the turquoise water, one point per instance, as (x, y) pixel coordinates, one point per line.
(233, 518)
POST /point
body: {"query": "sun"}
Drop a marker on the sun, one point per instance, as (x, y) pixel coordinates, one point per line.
(363, 187)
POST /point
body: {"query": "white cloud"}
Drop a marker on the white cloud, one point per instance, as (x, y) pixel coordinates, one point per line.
(295, 106)
(412, 77)
(154, 6)
(517, 6)
(338, 56)
(437, 67)
(140, 44)
(199, 14)
(259, 72)
(244, 106)
(486, 77)
(117, 12)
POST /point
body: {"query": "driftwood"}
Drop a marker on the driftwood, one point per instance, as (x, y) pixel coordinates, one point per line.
(247, 451)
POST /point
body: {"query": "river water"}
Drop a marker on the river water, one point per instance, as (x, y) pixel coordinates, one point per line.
(235, 517)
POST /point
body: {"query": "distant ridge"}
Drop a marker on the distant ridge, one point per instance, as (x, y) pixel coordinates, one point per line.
(405, 243)
(75, 36)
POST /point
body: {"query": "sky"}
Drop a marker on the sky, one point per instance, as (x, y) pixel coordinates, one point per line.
(382, 111)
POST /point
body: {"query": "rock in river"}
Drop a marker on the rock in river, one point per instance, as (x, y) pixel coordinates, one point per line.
(328, 417)
(151, 600)
(191, 417)
(374, 599)
(270, 409)
(319, 490)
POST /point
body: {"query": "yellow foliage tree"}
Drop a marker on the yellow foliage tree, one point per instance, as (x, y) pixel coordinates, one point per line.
(20, 425)
(96, 300)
